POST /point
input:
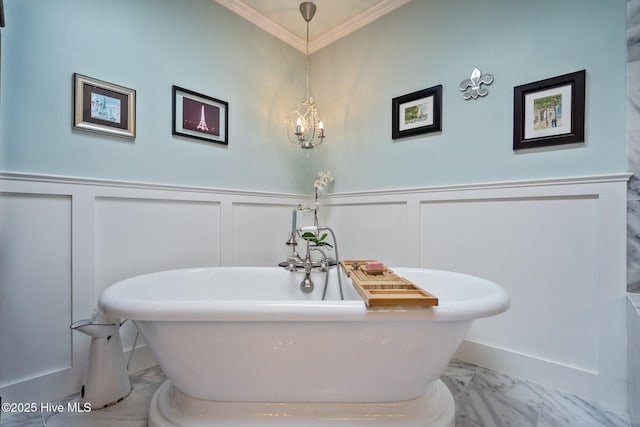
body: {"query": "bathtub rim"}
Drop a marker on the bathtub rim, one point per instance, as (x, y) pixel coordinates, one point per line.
(114, 304)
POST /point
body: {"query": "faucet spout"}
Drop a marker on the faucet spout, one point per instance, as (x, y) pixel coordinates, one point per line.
(306, 285)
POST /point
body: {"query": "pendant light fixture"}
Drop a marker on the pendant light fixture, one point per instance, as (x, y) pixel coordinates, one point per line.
(304, 127)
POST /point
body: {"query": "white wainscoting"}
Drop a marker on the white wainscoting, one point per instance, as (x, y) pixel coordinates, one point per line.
(370, 229)
(64, 240)
(260, 231)
(35, 296)
(557, 246)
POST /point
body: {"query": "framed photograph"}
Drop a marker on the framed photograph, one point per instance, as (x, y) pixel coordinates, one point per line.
(199, 116)
(549, 112)
(417, 113)
(103, 107)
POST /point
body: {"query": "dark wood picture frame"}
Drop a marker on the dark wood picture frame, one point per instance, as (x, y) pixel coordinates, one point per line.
(199, 116)
(417, 113)
(542, 114)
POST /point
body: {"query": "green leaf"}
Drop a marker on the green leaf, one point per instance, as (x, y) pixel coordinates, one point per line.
(307, 235)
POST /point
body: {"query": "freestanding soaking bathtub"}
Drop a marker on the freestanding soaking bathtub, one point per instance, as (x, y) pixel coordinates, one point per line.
(243, 346)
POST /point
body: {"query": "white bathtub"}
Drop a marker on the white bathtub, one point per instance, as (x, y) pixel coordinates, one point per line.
(249, 335)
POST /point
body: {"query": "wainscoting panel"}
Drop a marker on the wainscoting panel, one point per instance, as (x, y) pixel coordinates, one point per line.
(260, 231)
(64, 239)
(543, 251)
(556, 245)
(138, 236)
(556, 248)
(371, 230)
(35, 286)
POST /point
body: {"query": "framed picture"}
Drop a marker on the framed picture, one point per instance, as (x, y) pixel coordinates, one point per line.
(199, 116)
(417, 113)
(103, 107)
(549, 112)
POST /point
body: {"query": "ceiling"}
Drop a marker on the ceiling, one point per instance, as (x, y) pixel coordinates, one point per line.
(333, 19)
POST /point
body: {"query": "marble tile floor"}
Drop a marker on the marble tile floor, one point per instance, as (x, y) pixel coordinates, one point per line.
(484, 398)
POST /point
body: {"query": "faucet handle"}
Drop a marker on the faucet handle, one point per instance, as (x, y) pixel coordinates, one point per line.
(292, 264)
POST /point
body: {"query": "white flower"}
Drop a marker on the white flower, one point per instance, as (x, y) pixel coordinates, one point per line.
(323, 179)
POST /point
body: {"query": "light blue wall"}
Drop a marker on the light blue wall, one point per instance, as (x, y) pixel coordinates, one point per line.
(148, 45)
(431, 42)
(151, 44)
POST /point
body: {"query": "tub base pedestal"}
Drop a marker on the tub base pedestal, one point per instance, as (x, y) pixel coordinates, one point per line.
(169, 408)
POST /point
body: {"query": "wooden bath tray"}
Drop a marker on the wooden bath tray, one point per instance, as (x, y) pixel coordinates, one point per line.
(385, 289)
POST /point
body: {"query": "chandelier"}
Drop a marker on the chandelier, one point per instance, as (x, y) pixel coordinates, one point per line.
(304, 127)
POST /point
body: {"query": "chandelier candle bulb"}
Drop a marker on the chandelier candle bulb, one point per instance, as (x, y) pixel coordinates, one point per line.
(294, 218)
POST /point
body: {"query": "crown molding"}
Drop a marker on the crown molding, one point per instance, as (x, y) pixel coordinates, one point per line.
(355, 23)
(259, 20)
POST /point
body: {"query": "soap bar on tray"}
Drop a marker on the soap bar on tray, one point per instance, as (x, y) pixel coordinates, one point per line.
(374, 267)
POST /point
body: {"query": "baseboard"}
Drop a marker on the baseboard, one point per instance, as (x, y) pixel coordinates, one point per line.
(66, 382)
(63, 382)
(571, 379)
